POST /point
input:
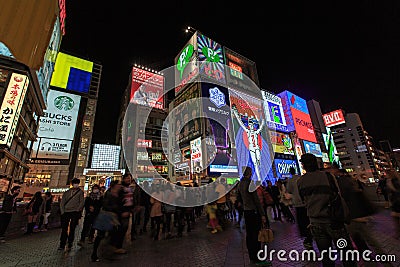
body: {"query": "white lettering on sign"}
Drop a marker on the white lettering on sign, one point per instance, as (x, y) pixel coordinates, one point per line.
(333, 118)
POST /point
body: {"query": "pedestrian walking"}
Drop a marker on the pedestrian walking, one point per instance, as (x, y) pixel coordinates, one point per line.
(156, 214)
(361, 209)
(33, 210)
(254, 215)
(48, 202)
(107, 221)
(274, 192)
(317, 192)
(8, 208)
(71, 208)
(393, 184)
(300, 209)
(92, 206)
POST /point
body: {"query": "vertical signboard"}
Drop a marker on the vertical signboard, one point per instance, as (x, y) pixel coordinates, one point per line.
(216, 108)
(274, 112)
(250, 135)
(186, 64)
(211, 59)
(147, 88)
(56, 129)
(330, 147)
(196, 156)
(11, 107)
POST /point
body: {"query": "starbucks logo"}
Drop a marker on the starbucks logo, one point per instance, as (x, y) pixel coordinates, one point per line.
(64, 103)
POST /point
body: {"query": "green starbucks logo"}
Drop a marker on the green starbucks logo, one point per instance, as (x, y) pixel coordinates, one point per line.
(184, 58)
(64, 103)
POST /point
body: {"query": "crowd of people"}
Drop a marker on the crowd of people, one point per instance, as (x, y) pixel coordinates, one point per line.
(126, 210)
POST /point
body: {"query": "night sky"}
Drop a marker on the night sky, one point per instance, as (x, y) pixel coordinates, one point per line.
(342, 54)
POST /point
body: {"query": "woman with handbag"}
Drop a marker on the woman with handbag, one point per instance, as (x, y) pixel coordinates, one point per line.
(33, 210)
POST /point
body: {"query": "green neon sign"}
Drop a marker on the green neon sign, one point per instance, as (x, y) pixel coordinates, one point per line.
(211, 55)
(184, 58)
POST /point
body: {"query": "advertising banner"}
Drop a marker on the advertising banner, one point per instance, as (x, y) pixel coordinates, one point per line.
(56, 129)
(281, 143)
(250, 135)
(105, 156)
(216, 108)
(147, 88)
(11, 107)
(72, 73)
(312, 148)
(295, 101)
(211, 59)
(196, 156)
(330, 147)
(186, 64)
(274, 112)
(303, 125)
(52, 148)
(282, 167)
(334, 118)
(298, 149)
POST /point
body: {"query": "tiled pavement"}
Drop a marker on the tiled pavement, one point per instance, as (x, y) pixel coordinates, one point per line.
(197, 248)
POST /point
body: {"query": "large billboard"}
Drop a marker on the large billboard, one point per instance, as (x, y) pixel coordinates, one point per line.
(147, 88)
(216, 108)
(333, 118)
(274, 112)
(211, 58)
(282, 167)
(303, 125)
(72, 73)
(294, 101)
(56, 129)
(105, 156)
(11, 107)
(312, 148)
(281, 143)
(241, 73)
(251, 138)
(186, 64)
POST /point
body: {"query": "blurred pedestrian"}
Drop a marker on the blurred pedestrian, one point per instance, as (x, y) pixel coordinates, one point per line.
(108, 222)
(316, 190)
(300, 207)
(393, 184)
(93, 203)
(285, 202)
(254, 215)
(168, 209)
(382, 190)
(33, 210)
(274, 192)
(8, 208)
(156, 211)
(48, 202)
(360, 208)
(71, 208)
(139, 203)
(211, 209)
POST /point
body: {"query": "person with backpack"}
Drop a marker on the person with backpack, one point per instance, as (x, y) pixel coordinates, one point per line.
(317, 189)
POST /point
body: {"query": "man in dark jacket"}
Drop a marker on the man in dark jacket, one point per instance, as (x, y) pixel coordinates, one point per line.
(9, 206)
(71, 208)
(316, 191)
